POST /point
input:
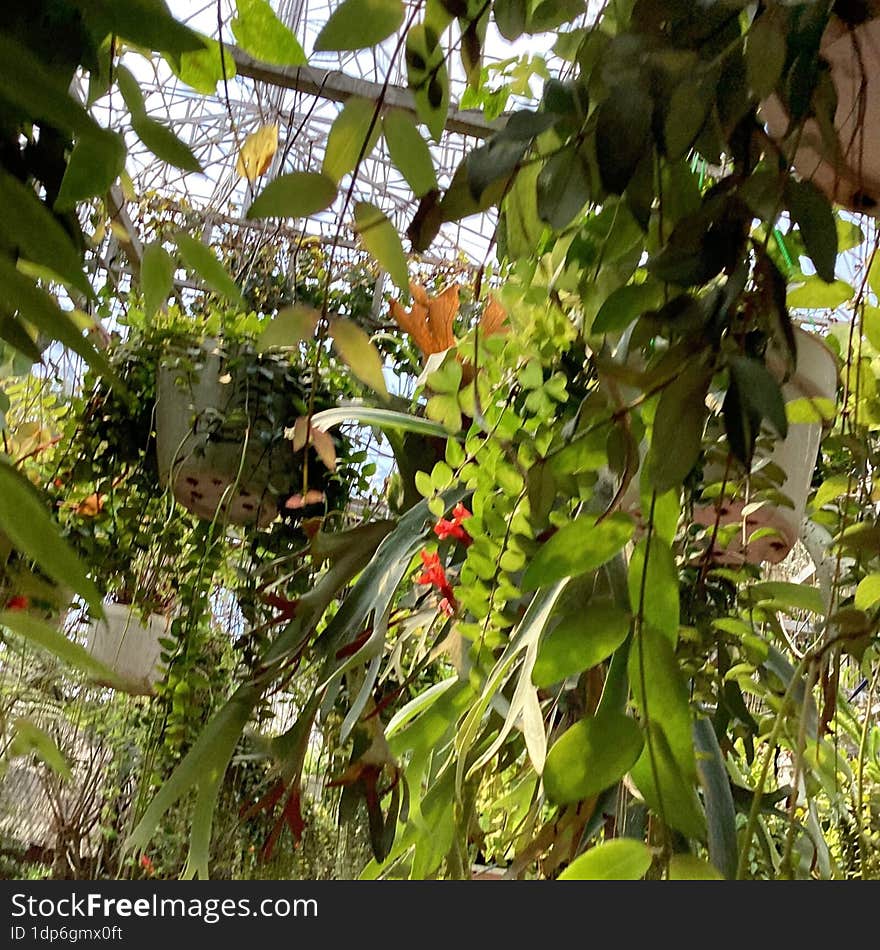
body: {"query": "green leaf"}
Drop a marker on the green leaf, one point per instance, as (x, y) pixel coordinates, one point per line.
(409, 151)
(620, 859)
(353, 135)
(164, 144)
(289, 327)
(578, 547)
(27, 223)
(810, 409)
(591, 756)
(18, 293)
(660, 606)
(24, 518)
(579, 642)
(146, 23)
(357, 24)
(202, 69)
(623, 127)
(428, 78)
(563, 188)
(28, 737)
(296, 195)
(380, 418)
(626, 304)
(511, 17)
(358, 352)
(868, 592)
(198, 257)
(524, 227)
(676, 802)
(688, 867)
(158, 138)
(259, 32)
(815, 294)
(812, 212)
(759, 391)
(765, 54)
(718, 798)
(830, 490)
(661, 693)
(782, 594)
(44, 635)
(157, 277)
(689, 107)
(679, 422)
(380, 238)
(45, 95)
(94, 165)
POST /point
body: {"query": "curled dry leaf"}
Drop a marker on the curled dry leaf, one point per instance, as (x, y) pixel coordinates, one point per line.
(257, 152)
(430, 320)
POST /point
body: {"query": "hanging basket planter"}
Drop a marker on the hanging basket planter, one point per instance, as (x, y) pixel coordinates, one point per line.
(815, 378)
(849, 174)
(221, 417)
(129, 647)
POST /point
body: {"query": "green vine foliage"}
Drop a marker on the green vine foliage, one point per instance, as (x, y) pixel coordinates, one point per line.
(549, 646)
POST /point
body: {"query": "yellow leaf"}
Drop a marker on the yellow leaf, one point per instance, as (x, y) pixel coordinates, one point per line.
(358, 352)
(256, 154)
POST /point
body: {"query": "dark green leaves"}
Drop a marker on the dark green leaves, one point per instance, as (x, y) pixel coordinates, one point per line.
(261, 34)
(198, 257)
(623, 127)
(511, 17)
(765, 53)
(578, 547)
(145, 23)
(625, 304)
(812, 212)
(427, 78)
(563, 188)
(678, 427)
(357, 24)
(752, 396)
(591, 756)
(296, 195)
(25, 518)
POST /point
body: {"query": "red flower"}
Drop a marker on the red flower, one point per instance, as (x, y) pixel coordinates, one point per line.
(453, 529)
(19, 602)
(434, 575)
(147, 864)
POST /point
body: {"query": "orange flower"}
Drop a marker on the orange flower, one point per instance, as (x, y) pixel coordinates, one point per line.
(453, 529)
(434, 575)
(430, 320)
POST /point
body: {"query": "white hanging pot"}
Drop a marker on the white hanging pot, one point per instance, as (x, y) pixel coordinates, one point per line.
(129, 647)
(211, 450)
(852, 177)
(815, 378)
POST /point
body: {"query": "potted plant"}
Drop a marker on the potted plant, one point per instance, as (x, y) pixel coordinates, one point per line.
(222, 411)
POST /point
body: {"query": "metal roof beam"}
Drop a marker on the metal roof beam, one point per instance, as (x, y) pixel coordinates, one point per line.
(338, 87)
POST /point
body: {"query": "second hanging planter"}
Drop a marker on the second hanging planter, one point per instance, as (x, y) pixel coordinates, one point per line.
(221, 416)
